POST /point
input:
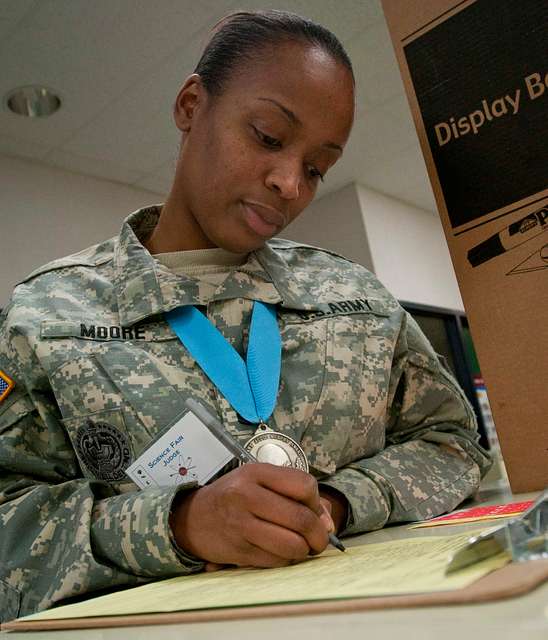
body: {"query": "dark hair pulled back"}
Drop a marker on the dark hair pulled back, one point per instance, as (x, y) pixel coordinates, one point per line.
(239, 36)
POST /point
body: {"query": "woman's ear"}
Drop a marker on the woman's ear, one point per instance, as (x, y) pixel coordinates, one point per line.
(188, 100)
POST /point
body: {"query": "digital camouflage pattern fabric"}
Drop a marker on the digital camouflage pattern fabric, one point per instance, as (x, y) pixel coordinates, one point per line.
(98, 374)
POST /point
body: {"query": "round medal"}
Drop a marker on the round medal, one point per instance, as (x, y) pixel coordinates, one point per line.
(277, 448)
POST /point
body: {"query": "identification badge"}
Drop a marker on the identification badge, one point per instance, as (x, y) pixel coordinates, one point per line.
(187, 452)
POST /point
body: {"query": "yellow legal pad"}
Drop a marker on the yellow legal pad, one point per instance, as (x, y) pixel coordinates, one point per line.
(415, 565)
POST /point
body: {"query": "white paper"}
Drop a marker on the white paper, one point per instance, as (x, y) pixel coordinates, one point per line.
(187, 452)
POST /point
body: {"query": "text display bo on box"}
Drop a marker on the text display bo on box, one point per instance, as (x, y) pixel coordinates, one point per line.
(481, 95)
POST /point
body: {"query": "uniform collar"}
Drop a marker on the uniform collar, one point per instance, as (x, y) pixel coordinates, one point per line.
(144, 287)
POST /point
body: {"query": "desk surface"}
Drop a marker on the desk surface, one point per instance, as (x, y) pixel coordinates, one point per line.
(523, 617)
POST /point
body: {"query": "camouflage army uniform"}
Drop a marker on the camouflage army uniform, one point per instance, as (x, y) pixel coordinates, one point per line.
(86, 343)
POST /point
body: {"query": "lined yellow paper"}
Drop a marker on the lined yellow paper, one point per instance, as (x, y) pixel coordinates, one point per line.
(413, 565)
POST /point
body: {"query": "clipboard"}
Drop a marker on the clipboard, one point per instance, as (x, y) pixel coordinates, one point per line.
(513, 580)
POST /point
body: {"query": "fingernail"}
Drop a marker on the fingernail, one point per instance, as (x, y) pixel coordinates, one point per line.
(328, 522)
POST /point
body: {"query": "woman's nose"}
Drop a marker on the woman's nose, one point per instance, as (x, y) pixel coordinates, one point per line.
(285, 178)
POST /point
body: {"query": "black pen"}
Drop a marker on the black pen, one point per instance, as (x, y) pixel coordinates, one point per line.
(225, 438)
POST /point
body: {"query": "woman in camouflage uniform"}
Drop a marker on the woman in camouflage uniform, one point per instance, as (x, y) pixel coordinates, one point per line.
(93, 373)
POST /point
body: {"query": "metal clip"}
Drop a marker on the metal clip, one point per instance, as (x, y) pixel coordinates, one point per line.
(523, 538)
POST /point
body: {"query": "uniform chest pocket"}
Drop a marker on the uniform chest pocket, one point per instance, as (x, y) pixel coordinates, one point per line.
(96, 418)
(349, 419)
(114, 402)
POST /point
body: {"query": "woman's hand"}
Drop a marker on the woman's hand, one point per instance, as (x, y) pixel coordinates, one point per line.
(337, 506)
(257, 515)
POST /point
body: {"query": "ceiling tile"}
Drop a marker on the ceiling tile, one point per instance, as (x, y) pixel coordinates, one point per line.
(137, 129)
(403, 176)
(355, 162)
(12, 13)
(343, 17)
(93, 167)
(158, 184)
(382, 136)
(421, 197)
(22, 148)
(398, 107)
(91, 56)
(377, 73)
(160, 180)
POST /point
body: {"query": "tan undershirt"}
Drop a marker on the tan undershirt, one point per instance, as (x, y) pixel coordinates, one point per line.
(210, 266)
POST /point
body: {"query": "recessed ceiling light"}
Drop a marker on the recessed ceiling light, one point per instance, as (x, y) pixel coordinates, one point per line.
(32, 101)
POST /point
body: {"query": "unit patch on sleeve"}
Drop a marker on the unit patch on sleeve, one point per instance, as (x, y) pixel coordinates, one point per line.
(6, 385)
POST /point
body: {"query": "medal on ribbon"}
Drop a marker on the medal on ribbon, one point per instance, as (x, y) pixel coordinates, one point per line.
(250, 386)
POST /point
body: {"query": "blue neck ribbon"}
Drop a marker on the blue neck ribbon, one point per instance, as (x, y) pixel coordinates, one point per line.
(251, 387)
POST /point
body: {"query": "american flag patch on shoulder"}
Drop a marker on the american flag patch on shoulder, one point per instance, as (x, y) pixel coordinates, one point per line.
(6, 385)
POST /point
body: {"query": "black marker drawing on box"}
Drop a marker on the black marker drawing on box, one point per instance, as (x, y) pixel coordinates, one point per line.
(514, 235)
(537, 261)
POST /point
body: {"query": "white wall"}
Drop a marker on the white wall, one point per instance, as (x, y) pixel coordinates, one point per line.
(334, 222)
(403, 245)
(47, 213)
(409, 251)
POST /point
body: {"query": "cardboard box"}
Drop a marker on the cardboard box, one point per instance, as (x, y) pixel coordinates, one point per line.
(476, 76)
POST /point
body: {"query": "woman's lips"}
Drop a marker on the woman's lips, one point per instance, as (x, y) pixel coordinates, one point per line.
(264, 221)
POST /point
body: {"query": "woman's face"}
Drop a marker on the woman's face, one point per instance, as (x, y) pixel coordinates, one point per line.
(252, 158)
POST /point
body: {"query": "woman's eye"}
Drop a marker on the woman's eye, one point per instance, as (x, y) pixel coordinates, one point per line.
(267, 140)
(314, 173)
